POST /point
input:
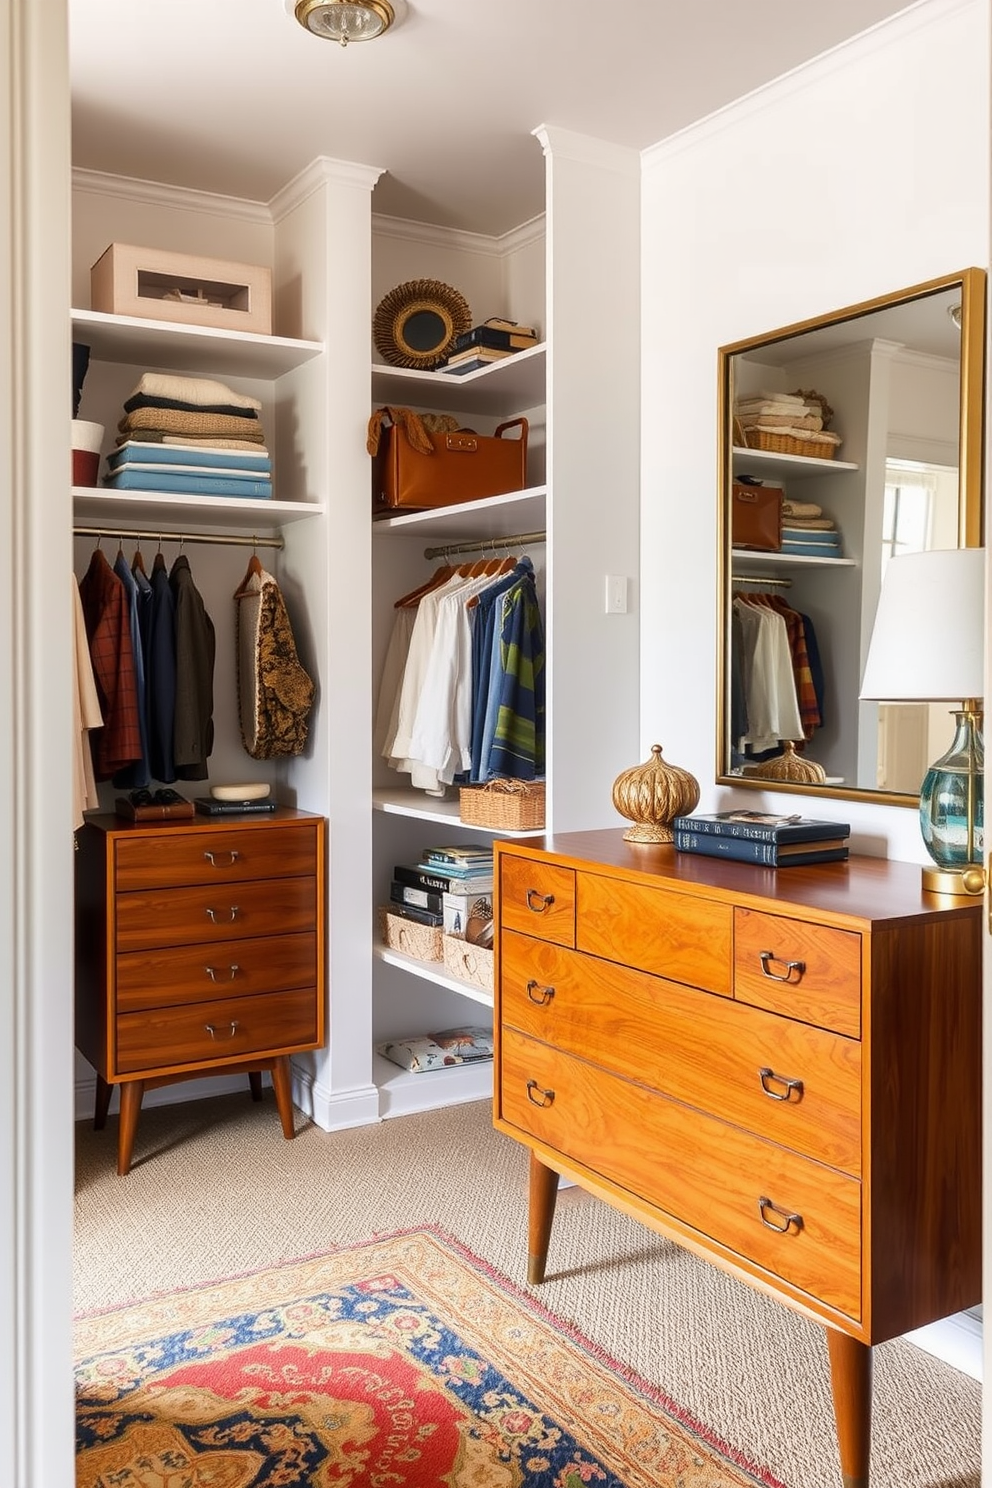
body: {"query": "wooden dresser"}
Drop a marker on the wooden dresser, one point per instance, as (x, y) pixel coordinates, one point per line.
(780, 1070)
(199, 950)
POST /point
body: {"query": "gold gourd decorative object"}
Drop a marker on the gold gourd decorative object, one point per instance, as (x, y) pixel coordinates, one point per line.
(651, 795)
(790, 766)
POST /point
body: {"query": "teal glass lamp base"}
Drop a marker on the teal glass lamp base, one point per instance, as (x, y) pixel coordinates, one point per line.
(952, 812)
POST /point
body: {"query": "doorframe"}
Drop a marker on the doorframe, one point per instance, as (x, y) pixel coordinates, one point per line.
(36, 1068)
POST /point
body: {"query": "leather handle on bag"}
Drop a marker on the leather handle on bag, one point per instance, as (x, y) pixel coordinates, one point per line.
(517, 423)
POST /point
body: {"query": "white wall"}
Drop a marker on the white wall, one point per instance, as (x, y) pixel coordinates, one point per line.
(861, 173)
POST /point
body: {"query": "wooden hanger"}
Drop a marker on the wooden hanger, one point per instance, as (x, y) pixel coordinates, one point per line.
(440, 576)
(245, 587)
(138, 562)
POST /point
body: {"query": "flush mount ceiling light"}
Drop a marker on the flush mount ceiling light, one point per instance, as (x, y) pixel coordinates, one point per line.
(345, 20)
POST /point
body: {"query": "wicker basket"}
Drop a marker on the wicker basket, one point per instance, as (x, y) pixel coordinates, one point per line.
(469, 963)
(423, 942)
(506, 805)
(789, 444)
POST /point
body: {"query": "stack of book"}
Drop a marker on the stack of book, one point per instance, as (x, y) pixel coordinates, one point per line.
(760, 837)
(444, 887)
(488, 343)
(196, 470)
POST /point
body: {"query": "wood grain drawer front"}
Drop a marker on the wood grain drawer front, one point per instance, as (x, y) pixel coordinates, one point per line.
(802, 970)
(164, 860)
(213, 1032)
(537, 898)
(216, 912)
(176, 974)
(796, 1085)
(724, 1183)
(686, 939)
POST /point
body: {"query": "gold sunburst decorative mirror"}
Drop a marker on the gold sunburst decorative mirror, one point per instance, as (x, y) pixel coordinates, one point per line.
(416, 324)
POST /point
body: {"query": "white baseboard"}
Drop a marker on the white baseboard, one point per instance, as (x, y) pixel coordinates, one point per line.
(957, 1340)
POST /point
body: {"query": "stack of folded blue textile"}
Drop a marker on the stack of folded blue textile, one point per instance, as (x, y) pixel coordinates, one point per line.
(808, 533)
(190, 435)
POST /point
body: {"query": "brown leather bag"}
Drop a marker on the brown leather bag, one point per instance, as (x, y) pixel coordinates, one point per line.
(462, 466)
(756, 517)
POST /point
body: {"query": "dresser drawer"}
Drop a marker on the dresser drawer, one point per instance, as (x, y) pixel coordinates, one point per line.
(171, 858)
(276, 1023)
(240, 968)
(537, 898)
(803, 970)
(694, 1168)
(687, 939)
(796, 1085)
(221, 912)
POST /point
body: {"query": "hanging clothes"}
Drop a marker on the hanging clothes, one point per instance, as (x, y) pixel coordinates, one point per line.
(137, 774)
(518, 738)
(160, 657)
(108, 632)
(769, 681)
(86, 717)
(193, 730)
(275, 693)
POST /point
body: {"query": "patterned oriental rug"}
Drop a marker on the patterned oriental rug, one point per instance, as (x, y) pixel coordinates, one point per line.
(404, 1362)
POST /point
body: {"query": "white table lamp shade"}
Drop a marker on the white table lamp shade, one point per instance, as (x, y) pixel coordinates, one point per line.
(928, 641)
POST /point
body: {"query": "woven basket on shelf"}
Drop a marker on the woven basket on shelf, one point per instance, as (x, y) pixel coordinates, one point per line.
(470, 963)
(789, 444)
(507, 805)
(423, 942)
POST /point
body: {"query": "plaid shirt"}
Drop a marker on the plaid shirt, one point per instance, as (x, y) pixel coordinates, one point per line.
(108, 631)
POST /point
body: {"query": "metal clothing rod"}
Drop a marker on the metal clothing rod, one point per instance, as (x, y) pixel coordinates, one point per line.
(515, 540)
(761, 579)
(153, 535)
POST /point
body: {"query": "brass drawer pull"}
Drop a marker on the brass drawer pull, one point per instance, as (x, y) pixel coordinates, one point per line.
(798, 967)
(541, 995)
(213, 1032)
(768, 1077)
(766, 1207)
(546, 1096)
(233, 858)
(212, 974)
(539, 902)
(213, 913)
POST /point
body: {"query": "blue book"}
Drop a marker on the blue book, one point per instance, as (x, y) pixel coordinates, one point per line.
(768, 854)
(193, 485)
(763, 826)
(133, 451)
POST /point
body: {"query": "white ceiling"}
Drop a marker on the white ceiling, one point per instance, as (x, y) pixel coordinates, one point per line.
(235, 96)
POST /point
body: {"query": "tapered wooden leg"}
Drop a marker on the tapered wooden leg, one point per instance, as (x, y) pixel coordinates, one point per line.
(255, 1083)
(543, 1193)
(850, 1380)
(283, 1086)
(103, 1094)
(131, 1094)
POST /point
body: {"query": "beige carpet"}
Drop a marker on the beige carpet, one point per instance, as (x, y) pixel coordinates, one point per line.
(216, 1191)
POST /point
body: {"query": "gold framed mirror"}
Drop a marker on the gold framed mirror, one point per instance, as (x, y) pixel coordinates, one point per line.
(843, 440)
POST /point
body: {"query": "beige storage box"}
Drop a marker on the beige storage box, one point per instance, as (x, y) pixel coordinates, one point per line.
(181, 287)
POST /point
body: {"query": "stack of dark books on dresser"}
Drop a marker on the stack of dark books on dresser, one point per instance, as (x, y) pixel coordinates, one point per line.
(760, 837)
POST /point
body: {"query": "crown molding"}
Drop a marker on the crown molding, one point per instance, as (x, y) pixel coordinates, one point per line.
(586, 150)
(325, 169)
(466, 242)
(919, 17)
(179, 198)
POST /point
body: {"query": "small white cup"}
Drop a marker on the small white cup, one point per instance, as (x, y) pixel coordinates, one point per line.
(87, 439)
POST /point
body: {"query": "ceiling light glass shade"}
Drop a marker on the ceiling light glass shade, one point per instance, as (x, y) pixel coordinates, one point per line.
(345, 20)
(928, 645)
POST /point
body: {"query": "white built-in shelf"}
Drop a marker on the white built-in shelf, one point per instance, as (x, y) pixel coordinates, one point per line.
(416, 804)
(503, 389)
(152, 511)
(785, 467)
(751, 558)
(436, 972)
(189, 348)
(493, 517)
(401, 1092)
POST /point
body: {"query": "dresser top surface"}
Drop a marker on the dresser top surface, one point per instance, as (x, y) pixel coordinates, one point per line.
(869, 890)
(119, 825)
